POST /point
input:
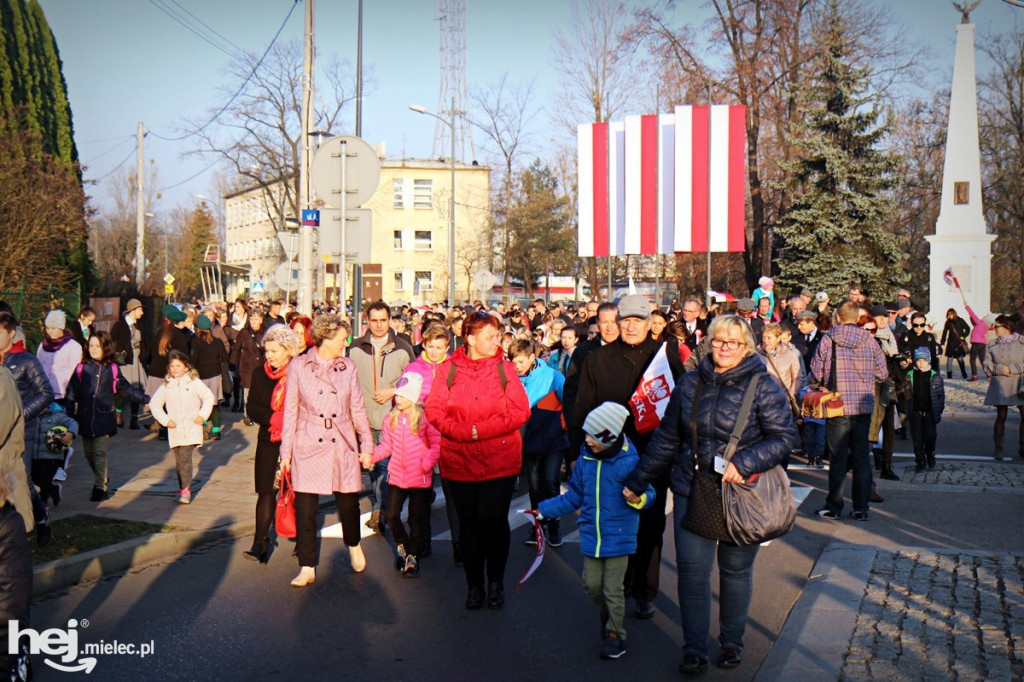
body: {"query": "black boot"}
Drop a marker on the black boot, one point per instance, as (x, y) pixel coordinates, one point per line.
(134, 424)
(260, 551)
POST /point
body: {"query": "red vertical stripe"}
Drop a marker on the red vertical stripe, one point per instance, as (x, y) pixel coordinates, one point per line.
(737, 178)
(701, 177)
(600, 190)
(649, 185)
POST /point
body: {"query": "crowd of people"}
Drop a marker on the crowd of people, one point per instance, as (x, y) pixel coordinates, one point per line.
(489, 398)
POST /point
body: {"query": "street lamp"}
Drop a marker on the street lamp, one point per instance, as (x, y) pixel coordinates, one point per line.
(450, 122)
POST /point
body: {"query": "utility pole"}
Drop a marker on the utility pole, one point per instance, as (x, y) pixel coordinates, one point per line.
(140, 211)
(306, 265)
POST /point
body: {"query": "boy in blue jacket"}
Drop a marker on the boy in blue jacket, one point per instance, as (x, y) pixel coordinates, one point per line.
(607, 523)
(545, 442)
(927, 401)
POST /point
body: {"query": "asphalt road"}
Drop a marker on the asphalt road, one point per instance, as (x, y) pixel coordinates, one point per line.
(214, 615)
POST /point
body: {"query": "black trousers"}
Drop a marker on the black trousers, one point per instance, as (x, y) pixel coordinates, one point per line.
(649, 536)
(306, 507)
(922, 431)
(484, 532)
(419, 507)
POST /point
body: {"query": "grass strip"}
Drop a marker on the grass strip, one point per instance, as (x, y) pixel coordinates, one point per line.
(84, 532)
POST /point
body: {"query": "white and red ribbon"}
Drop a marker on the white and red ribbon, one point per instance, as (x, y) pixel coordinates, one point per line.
(539, 534)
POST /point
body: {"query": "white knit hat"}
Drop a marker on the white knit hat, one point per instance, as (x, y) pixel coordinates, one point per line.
(56, 319)
(605, 422)
(409, 386)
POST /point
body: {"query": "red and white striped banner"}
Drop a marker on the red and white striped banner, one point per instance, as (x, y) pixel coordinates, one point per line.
(654, 184)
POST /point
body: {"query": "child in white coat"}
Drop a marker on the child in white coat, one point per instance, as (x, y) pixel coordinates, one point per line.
(181, 404)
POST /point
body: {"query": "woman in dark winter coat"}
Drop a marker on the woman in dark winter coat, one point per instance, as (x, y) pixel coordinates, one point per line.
(208, 358)
(173, 336)
(92, 391)
(248, 353)
(479, 407)
(266, 408)
(718, 385)
(955, 335)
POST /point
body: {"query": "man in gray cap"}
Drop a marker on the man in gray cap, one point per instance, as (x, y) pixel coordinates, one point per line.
(612, 373)
(130, 352)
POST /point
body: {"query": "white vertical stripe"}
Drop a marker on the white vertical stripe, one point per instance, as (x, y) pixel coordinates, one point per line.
(616, 188)
(666, 183)
(683, 236)
(633, 201)
(585, 171)
(718, 210)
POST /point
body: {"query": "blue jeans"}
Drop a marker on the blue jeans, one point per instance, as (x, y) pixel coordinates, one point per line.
(694, 558)
(542, 476)
(814, 439)
(848, 449)
(379, 479)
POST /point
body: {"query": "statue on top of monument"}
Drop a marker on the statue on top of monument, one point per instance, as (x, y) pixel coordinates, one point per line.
(965, 9)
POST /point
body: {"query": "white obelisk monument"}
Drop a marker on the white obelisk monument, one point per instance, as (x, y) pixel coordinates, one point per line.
(961, 241)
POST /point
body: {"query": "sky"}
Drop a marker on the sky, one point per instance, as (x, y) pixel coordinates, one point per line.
(126, 61)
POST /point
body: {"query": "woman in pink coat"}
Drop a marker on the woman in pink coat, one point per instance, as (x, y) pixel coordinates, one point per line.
(323, 413)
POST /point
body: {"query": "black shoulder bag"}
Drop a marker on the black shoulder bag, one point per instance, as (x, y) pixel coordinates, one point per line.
(705, 513)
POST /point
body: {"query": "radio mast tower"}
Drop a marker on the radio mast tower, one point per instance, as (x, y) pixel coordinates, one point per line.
(452, 101)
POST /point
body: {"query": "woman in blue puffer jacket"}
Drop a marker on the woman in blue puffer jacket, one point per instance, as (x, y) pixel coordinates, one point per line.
(721, 380)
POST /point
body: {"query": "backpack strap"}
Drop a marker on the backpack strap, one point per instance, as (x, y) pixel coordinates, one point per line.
(501, 375)
(117, 374)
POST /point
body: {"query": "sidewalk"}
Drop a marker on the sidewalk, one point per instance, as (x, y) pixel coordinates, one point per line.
(932, 587)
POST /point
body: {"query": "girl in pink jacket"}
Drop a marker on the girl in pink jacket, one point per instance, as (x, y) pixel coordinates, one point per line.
(414, 447)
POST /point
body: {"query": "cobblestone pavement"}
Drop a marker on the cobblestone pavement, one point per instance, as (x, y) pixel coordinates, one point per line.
(982, 474)
(964, 396)
(948, 616)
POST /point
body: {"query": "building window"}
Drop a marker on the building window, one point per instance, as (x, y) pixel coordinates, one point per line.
(424, 280)
(423, 194)
(398, 240)
(399, 193)
(424, 240)
(399, 281)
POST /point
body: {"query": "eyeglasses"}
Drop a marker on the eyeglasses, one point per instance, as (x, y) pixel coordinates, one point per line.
(999, 326)
(871, 330)
(731, 345)
(917, 326)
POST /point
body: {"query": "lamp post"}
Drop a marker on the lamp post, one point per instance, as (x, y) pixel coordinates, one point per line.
(450, 122)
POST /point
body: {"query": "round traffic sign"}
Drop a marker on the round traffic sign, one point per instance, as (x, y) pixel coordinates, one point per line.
(362, 171)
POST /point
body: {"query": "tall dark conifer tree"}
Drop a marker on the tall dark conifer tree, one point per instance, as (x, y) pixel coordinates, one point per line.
(835, 232)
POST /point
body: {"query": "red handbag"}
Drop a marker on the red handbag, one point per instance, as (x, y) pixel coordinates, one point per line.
(284, 519)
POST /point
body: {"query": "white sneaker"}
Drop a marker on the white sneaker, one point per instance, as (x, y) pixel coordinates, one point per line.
(355, 554)
(60, 475)
(306, 576)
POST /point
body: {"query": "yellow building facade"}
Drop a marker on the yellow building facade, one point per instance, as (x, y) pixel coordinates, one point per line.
(409, 243)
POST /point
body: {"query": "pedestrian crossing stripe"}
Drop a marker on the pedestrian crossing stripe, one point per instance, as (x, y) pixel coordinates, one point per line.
(515, 519)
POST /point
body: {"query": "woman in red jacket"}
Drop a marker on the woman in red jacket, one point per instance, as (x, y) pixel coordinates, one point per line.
(478, 405)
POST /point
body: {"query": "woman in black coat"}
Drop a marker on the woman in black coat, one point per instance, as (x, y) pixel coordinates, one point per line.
(265, 407)
(719, 385)
(208, 358)
(248, 353)
(955, 335)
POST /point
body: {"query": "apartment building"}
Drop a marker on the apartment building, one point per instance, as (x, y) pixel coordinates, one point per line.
(409, 243)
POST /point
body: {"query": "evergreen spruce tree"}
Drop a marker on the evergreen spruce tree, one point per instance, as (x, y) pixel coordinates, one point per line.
(835, 231)
(198, 232)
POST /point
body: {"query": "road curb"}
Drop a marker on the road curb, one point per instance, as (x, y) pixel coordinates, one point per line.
(123, 556)
(817, 633)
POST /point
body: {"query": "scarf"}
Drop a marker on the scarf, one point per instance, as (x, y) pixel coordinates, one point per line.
(54, 345)
(238, 321)
(1012, 338)
(276, 400)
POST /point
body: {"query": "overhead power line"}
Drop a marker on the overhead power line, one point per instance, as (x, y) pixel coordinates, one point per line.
(192, 28)
(123, 161)
(191, 178)
(241, 87)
